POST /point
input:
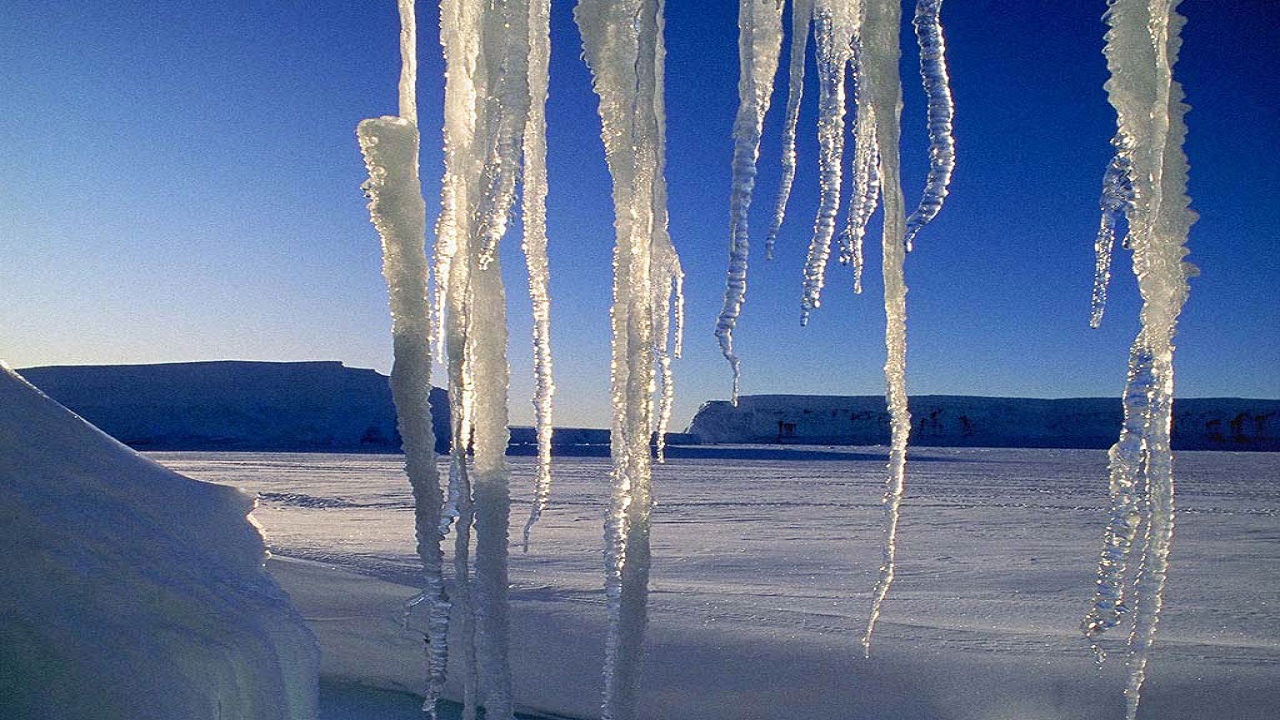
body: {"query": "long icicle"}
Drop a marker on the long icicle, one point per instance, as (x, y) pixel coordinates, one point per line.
(884, 90)
(626, 67)
(941, 111)
(1142, 44)
(759, 45)
(801, 18)
(535, 248)
(390, 147)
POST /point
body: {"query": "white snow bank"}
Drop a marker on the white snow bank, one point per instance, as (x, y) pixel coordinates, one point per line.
(129, 591)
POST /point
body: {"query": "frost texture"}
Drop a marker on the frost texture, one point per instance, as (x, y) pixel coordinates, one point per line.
(1142, 44)
(759, 44)
(623, 46)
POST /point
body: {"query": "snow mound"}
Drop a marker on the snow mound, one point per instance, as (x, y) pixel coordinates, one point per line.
(130, 591)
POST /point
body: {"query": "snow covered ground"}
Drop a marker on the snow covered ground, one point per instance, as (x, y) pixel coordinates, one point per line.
(763, 568)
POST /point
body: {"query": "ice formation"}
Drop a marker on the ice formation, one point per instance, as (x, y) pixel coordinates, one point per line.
(859, 39)
(535, 246)
(801, 18)
(941, 110)
(396, 207)
(759, 43)
(627, 71)
(1147, 182)
(494, 137)
(129, 591)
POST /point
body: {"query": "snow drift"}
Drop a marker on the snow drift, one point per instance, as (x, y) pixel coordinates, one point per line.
(129, 591)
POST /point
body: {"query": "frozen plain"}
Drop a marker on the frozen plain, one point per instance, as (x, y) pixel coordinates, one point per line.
(764, 559)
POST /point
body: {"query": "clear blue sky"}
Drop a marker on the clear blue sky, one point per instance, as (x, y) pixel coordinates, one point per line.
(181, 182)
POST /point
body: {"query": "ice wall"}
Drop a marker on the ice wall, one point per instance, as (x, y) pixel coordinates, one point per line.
(129, 591)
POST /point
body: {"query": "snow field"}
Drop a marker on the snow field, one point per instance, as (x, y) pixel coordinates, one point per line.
(762, 575)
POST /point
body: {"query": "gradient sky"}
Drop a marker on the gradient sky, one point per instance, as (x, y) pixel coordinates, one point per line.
(181, 182)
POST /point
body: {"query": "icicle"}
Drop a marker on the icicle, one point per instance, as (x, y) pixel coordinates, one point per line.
(835, 24)
(759, 44)
(937, 89)
(1142, 44)
(627, 67)
(396, 207)
(801, 17)
(487, 98)
(535, 248)
(884, 92)
(506, 51)
(866, 175)
(667, 287)
(1117, 198)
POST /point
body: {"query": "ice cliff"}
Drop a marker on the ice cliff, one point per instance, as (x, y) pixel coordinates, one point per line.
(131, 592)
(969, 421)
(236, 405)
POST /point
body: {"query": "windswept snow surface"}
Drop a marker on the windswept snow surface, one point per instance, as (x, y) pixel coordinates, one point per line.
(762, 572)
(129, 592)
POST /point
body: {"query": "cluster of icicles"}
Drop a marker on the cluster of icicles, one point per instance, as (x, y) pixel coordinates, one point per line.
(855, 39)
(494, 138)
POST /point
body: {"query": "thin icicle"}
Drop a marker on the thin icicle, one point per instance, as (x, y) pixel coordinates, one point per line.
(668, 279)
(1117, 198)
(884, 91)
(801, 17)
(535, 248)
(866, 175)
(759, 45)
(941, 111)
(1142, 44)
(835, 24)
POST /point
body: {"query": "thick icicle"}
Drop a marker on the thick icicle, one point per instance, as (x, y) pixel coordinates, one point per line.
(486, 106)
(396, 207)
(1143, 41)
(490, 488)
(622, 44)
(835, 24)
(941, 110)
(884, 91)
(801, 17)
(759, 44)
(535, 247)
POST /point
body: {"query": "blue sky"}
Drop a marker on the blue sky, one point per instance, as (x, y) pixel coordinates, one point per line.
(181, 182)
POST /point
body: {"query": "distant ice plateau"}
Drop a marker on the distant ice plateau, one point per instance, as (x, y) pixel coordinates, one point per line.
(326, 406)
(971, 421)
